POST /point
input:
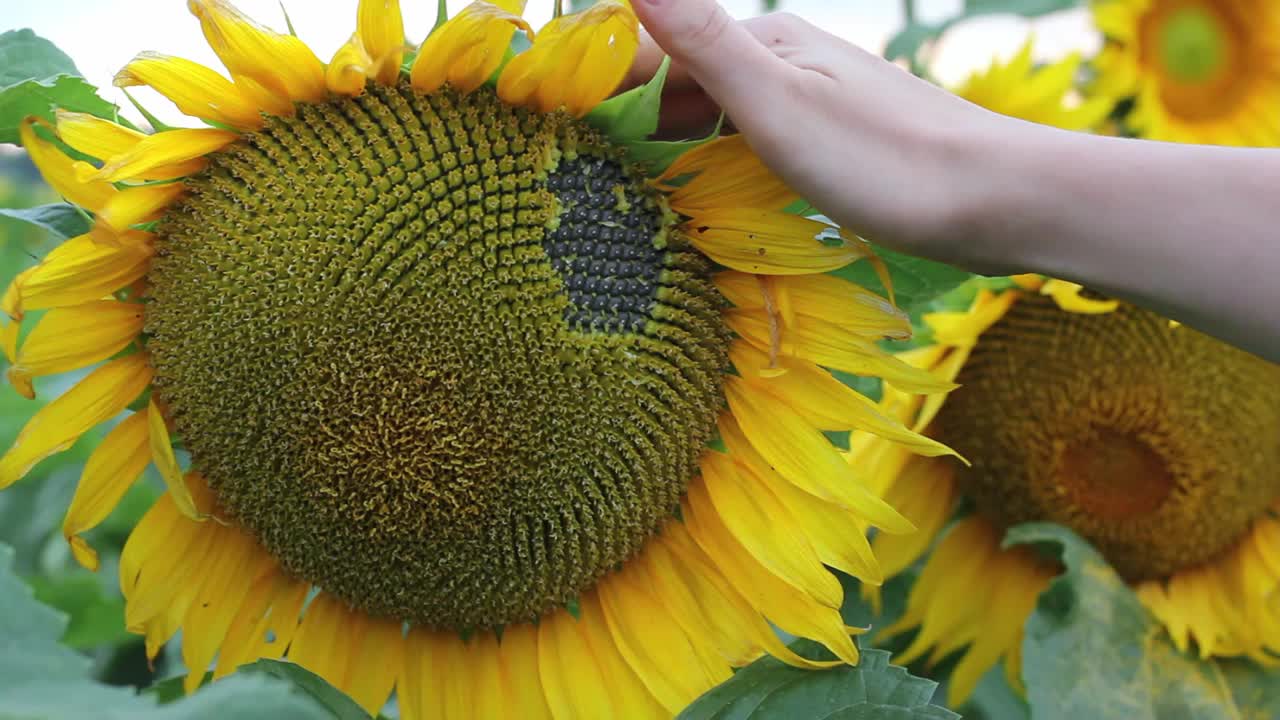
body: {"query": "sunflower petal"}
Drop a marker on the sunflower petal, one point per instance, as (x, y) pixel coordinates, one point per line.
(1067, 296)
(104, 140)
(266, 621)
(139, 204)
(70, 338)
(349, 69)
(468, 49)
(166, 149)
(727, 174)
(380, 27)
(769, 242)
(521, 674)
(356, 653)
(82, 270)
(281, 64)
(59, 171)
(167, 463)
(197, 90)
(819, 296)
(55, 427)
(111, 470)
(576, 61)
(222, 589)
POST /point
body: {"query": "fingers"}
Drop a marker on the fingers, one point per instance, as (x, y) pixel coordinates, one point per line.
(720, 55)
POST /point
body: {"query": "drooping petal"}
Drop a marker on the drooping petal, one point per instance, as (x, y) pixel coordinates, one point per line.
(197, 90)
(222, 588)
(1067, 296)
(166, 149)
(576, 61)
(111, 470)
(468, 49)
(140, 204)
(70, 338)
(355, 652)
(767, 242)
(380, 28)
(823, 297)
(106, 140)
(266, 621)
(100, 396)
(59, 171)
(726, 174)
(83, 269)
(349, 69)
(281, 64)
(167, 463)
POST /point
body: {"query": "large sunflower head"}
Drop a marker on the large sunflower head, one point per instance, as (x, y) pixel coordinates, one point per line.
(1154, 442)
(1199, 71)
(445, 358)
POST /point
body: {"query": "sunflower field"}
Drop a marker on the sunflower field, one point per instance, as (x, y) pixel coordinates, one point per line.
(424, 379)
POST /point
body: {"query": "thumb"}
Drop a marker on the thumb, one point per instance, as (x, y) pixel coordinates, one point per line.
(726, 60)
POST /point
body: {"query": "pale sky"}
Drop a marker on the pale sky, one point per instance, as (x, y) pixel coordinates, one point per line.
(103, 35)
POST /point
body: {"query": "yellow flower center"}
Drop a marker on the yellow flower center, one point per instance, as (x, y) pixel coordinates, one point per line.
(1157, 444)
(448, 360)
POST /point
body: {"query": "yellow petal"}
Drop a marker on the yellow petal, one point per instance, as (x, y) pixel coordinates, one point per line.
(962, 329)
(520, 673)
(222, 588)
(55, 427)
(576, 61)
(656, 648)
(282, 64)
(784, 605)
(356, 653)
(805, 457)
(770, 242)
(764, 527)
(166, 149)
(140, 204)
(349, 69)
(266, 621)
(167, 463)
(925, 492)
(824, 401)
(1067, 296)
(84, 269)
(380, 28)
(59, 171)
(197, 90)
(75, 337)
(104, 139)
(819, 296)
(727, 174)
(835, 347)
(111, 470)
(467, 50)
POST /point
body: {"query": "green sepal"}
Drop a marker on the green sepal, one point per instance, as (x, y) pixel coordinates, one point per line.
(655, 156)
(633, 115)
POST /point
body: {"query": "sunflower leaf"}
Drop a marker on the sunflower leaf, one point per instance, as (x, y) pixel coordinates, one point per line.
(633, 115)
(42, 679)
(61, 220)
(37, 78)
(874, 690)
(916, 282)
(1092, 650)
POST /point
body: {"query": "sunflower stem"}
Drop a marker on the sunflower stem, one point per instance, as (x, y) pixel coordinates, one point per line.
(909, 18)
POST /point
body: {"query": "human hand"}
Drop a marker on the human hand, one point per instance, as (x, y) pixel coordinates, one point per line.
(878, 150)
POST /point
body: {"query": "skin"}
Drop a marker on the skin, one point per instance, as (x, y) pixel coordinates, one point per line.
(1187, 231)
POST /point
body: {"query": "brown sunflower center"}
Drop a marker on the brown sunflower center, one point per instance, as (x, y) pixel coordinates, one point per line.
(1157, 444)
(1199, 49)
(448, 360)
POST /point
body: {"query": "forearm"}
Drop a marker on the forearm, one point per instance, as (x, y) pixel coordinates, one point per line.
(1191, 232)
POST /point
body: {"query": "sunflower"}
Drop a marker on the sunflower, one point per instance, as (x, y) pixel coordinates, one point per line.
(1152, 441)
(1041, 95)
(1199, 71)
(471, 404)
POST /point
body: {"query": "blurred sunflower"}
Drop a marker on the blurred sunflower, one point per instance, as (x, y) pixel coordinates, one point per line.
(1199, 71)
(1154, 442)
(1044, 95)
(447, 364)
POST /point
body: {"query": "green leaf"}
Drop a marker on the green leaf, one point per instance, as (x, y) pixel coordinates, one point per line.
(25, 56)
(317, 688)
(874, 690)
(43, 680)
(37, 78)
(1092, 650)
(60, 219)
(96, 617)
(916, 282)
(633, 115)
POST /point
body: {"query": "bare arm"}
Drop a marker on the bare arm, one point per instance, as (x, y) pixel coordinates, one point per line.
(1187, 231)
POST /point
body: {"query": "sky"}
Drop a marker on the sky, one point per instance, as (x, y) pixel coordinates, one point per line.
(103, 35)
